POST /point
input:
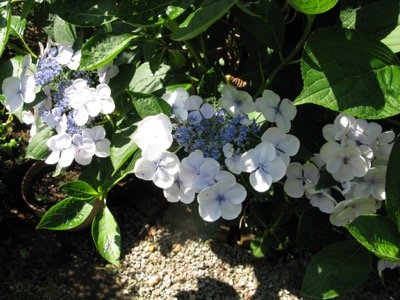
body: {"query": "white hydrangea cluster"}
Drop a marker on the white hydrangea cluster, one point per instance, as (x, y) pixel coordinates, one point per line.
(211, 176)
(71, 101)
(356, 154)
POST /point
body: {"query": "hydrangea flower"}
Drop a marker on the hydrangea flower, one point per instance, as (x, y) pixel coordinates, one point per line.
(348, 210)
(223, 199)
(372, 184)
(107, 72)
(286, 145)
(344, 163)
(341, 126)
(161, 170)
(235, 102)
(18, 91)
(154, 135)
(198, 109)
(275, 110)
(264, 165)
(103, 95)
(84, 149)
(177, 101)
(179, 192)
(209, 173)
(98, 135)
(190, 167)
(56, 119)
(63, 152)
(322, 199)
(385, 264)
(81, 100)
(300, 178)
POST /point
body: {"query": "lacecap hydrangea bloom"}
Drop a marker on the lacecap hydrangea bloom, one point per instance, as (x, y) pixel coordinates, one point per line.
(70, 102)
(355, 154)
(215, 140)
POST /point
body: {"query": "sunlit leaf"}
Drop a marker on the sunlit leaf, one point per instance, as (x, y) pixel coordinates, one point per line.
(37, 147)
(106, 236)
(79, 189)
(349, 71)
(312, 7)
(378, 234)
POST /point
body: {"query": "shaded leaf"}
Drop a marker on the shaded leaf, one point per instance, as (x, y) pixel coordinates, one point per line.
(5, 24)
(392, 187)
(122, 146)
(201, 19)
(264, 21)
(338, 269)
(64, 31)
(149, 105)
(86, 13)
(374, 17)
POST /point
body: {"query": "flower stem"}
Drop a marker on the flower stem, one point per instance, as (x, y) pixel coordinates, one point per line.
(290, 57)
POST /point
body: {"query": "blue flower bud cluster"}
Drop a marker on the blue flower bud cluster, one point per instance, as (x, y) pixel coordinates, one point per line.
(210, 135)
(48, 68)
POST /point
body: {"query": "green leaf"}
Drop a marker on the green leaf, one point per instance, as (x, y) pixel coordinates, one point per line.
(17, 26)
(259, 245)
(122, 146)
(264, 21)
(149, 105)
(37, 148)
(349, 71)
(103, 48)
(151, 13)
(11, 67)
(338, 269)
(67, 214)
(145, 81)
(79, 189)
(200, 20)
(106, 236)
(26, 9)
(64, 31)
(5, 24)
(325, 180)
(378, 234)
(86, 13)
(392, 187)
(374, 17)
(312, 7)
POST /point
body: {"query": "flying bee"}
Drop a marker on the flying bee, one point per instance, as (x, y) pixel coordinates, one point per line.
(235, 81)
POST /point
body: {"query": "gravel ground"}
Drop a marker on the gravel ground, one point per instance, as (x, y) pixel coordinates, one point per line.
(159, 261)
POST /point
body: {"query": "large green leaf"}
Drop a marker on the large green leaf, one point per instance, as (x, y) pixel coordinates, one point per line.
(64, 31)
(349, 71)
(392, 187)
(151, 13)
(313, 7)
(17, 26)
(79, 189)
(378, 234)
(380, 18)
(264, 21)
(145, 81)
(103, 48)
(122, 146)
(67, 214)
(338, 269)
(86, 13)
(149, 105)
(37, 147)
(5, 23)
(106, 236)
(201, 19)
